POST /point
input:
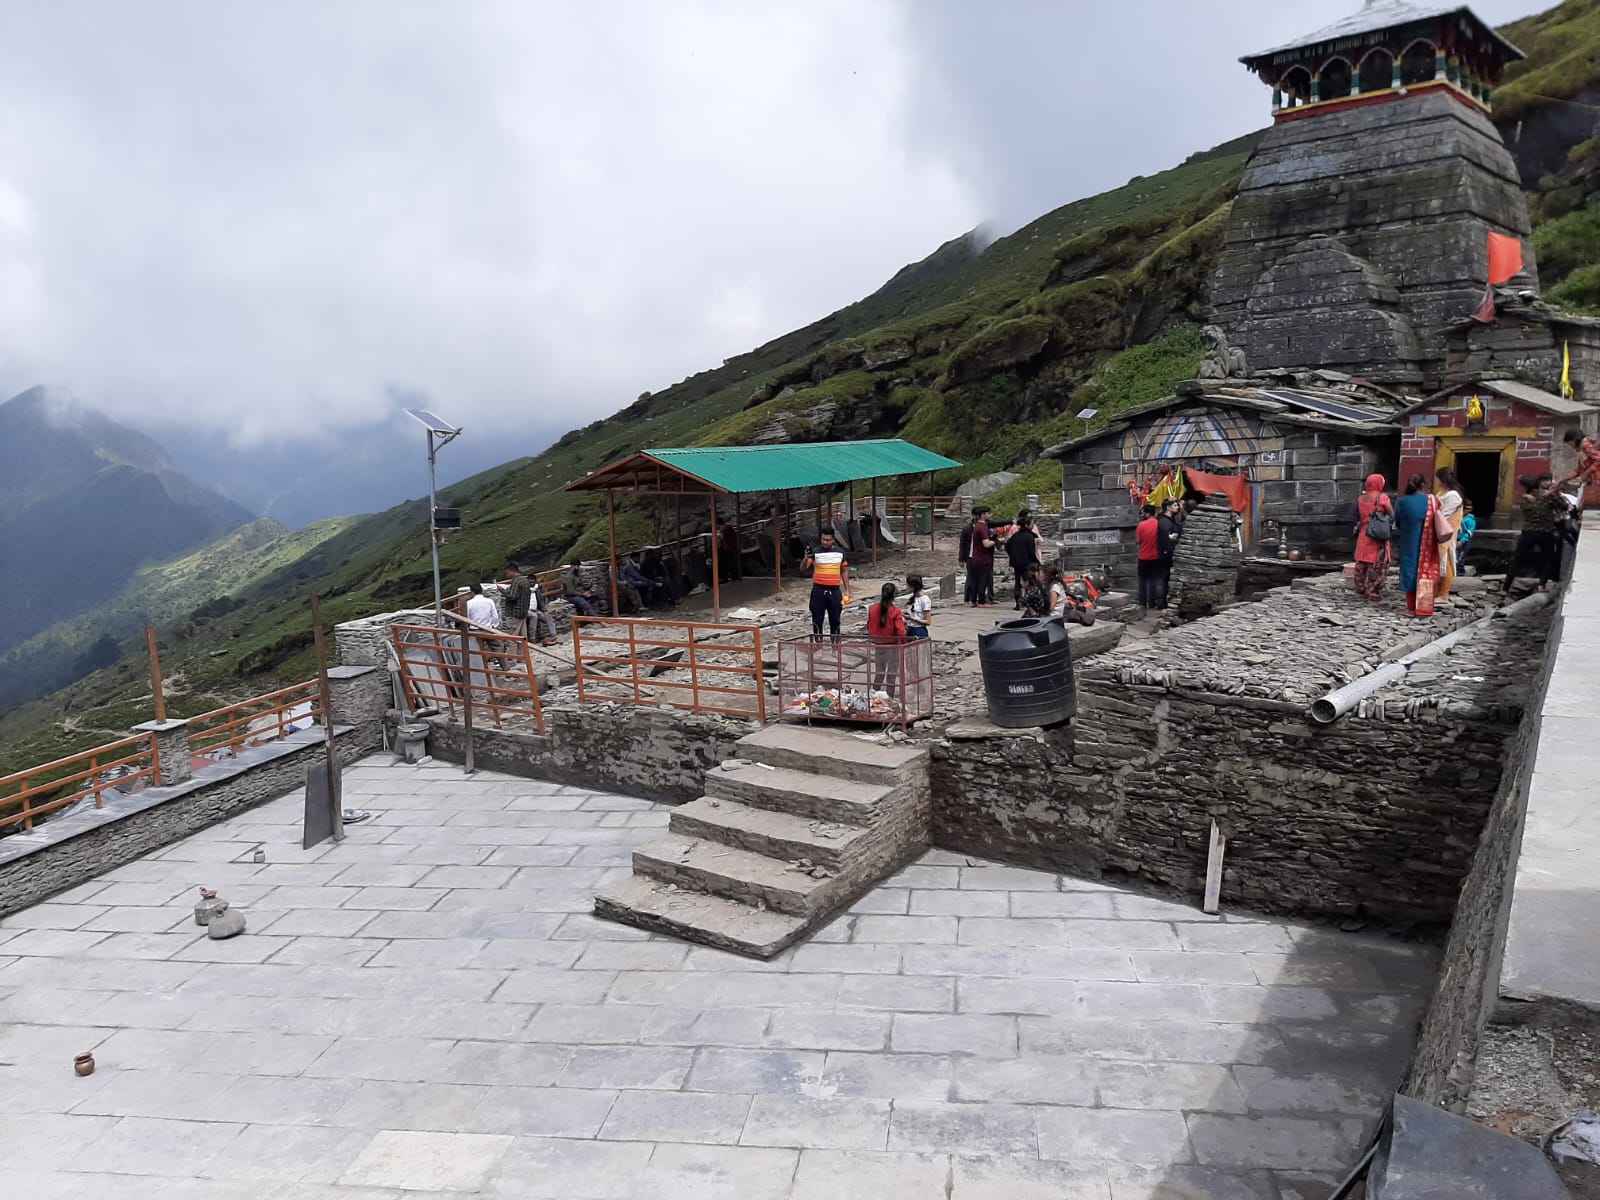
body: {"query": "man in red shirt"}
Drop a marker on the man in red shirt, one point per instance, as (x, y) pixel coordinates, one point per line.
(1148, 532)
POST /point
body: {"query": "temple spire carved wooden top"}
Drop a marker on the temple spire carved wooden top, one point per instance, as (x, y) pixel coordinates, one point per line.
(1389, 50)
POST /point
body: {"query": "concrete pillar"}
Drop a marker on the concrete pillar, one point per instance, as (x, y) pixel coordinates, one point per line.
(172, 748)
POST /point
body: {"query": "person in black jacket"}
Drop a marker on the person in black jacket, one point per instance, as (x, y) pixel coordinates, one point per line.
(1168, 530)
(1022, 549)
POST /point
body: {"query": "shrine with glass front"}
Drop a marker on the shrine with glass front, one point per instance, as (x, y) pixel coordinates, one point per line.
(1385, 52)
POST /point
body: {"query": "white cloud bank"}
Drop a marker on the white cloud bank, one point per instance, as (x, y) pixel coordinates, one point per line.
(269, 218)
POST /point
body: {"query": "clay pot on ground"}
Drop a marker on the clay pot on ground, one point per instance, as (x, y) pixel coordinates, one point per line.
(83, 1064)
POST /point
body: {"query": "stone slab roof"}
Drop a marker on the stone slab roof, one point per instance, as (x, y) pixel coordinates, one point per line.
(1248, 398)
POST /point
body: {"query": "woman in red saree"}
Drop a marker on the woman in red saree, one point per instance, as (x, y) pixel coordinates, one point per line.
(1372, 557)
(1416, 518)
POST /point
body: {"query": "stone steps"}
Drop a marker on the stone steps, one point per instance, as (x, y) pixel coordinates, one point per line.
(728, 871)
(800, 793)
(829, 751)
(699, 917)
(777, 834)
(723, 870)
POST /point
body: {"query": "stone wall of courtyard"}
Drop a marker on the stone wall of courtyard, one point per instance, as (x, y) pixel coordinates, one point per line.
(654, 753)
(1377, 816)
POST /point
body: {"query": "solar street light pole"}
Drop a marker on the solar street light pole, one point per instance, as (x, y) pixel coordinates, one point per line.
(440, 433)
(433, 533)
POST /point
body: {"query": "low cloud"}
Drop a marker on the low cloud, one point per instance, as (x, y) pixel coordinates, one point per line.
(268, 220)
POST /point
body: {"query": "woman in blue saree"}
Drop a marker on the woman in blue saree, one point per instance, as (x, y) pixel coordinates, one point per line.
(1417, 545)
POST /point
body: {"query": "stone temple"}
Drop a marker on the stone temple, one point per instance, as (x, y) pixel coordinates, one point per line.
(1360, 228)
(1354, 318)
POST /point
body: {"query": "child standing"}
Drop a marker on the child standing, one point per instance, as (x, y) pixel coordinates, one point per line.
(1469, 526)
(919, 609)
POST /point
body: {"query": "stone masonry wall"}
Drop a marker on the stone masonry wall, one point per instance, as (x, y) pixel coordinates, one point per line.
(1464, 994)
(1314, 826)
(197, 804)
(657, 754)
(1307, 479)
(1205, 567)
(1404, 194)
(65, 851)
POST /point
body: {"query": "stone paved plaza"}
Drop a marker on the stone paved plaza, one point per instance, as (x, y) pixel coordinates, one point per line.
(429, 1009)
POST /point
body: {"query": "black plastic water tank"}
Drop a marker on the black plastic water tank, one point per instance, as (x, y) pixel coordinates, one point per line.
(1027, 673)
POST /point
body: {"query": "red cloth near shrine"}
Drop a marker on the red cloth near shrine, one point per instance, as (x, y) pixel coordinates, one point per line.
(1505, 257)
(1235, 487)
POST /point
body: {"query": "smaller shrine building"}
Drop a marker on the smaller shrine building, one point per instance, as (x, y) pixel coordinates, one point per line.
(1490, 432)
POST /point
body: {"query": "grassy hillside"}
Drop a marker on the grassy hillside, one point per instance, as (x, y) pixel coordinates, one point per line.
(1549, 111)
(983, 352)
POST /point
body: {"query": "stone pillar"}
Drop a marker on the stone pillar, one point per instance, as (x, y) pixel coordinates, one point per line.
(1316, 87)
(172, 748)
(359, 695)
(1277, 99)
(1395, 75)
(1441, 65)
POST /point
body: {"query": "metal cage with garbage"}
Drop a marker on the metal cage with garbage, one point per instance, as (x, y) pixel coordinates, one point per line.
(854, 678)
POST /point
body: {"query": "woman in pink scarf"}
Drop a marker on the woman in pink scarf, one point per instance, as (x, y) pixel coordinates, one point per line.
(1372, 555)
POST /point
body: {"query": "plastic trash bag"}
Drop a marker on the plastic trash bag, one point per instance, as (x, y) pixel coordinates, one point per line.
(1578, 1137)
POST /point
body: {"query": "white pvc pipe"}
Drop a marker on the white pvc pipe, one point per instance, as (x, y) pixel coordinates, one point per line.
(1327, 709)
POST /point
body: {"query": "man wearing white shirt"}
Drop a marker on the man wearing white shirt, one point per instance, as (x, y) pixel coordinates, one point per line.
(481, 609)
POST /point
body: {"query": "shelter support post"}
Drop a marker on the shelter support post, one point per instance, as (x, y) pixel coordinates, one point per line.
(157, 688)
(611, 540)
(777, 550)
(716, 568)
(325, 703)
(874, 522)
(933, 517)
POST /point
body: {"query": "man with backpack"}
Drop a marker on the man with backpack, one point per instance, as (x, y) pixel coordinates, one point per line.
(1022, 551)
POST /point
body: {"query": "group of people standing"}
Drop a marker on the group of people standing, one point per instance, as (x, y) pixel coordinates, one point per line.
(1418, 530)
(1038, 589)
(1427, 531)
(1158, 532)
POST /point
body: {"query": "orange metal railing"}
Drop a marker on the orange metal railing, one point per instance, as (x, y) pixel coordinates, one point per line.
(260, 719)
(445, 668)
(126, 766)
(699, 666)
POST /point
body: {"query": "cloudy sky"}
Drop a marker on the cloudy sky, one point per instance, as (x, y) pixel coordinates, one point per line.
(260, 220)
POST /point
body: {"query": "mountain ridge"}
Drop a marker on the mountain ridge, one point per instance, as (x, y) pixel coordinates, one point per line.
(947, 353)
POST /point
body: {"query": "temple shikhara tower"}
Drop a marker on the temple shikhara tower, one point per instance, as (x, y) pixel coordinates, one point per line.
(1359, 236)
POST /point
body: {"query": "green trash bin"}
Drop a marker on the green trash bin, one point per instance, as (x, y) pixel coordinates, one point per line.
(922, 517)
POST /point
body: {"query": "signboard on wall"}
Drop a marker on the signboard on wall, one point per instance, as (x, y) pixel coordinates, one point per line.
(1093, 537)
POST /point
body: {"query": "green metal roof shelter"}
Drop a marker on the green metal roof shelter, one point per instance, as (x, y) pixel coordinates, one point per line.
(712, 471)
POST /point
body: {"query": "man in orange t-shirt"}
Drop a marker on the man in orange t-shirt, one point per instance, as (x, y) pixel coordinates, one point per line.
(828, 575)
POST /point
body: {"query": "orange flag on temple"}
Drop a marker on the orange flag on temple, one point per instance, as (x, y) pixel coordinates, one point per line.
(1505, 257)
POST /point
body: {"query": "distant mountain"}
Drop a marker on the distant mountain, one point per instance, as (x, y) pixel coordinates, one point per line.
(84, 501)
(184, 595)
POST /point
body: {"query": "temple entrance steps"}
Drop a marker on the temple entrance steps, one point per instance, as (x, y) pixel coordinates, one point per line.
(794, 829)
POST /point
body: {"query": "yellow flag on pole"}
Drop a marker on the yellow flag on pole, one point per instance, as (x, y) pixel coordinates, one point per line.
(1566, 370)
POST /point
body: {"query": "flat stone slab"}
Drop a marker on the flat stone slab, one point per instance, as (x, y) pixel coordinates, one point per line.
(1553, 939)
(1431, 1154)
(431, 1006)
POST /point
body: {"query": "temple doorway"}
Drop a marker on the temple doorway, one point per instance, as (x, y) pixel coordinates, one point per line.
(1479, 473)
